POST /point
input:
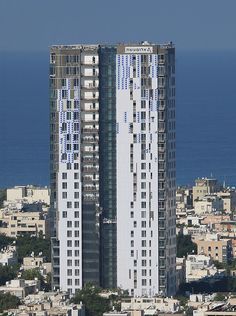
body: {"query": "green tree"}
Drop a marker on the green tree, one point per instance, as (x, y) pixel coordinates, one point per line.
(219, 297)
(3, 196)
(8, 273)
(31, 274)
(5, 241)
(8, 301)
(95, 304)
(26, 245)
(185, 246)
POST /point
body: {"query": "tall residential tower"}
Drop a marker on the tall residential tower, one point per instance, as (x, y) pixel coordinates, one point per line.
(113, 166)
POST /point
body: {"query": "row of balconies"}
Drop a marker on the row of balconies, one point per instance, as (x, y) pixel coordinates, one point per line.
(90, 169)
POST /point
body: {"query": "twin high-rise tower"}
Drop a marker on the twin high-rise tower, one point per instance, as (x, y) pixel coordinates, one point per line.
(112, 120)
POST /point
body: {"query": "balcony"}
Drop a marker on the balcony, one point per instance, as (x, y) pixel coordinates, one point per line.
(90, 169)
(90, 87)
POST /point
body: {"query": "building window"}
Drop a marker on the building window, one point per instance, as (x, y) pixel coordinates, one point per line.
(69, 204)
(143, 185)
(76, 214)
(64, 214)
(76, 175)
(76, 233)
(69, 263)
(76, 204)
(143, 165)
(143, 224)
(76, 272)
(143, 214)
(69, 223)
(143, 233)
(144, 243)
(143, 204)
(143, 175)
(69, 233)
(76, 243)
(69, 243)
(76, 185)
(69, 253)
(64, 195)
(69, 281)
(76, 195)
(76, 223)
(69, 272)
(64, 185)
(77, 263)
(76, 253)
(64, 175)
(143, 195)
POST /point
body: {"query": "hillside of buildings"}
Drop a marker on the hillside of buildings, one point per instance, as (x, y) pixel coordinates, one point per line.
(205, 264)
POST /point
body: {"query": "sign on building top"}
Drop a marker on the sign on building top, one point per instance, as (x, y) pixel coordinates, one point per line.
(139, 50)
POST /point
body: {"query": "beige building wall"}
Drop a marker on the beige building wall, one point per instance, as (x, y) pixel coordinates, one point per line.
(220, 250)
(203, 187)
(229, 200)
(30, 193)
(14, 224)
(16, 193)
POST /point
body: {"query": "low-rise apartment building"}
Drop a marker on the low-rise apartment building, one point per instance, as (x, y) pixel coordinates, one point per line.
(48, 304)
(160, 304)
(29, 193)
(208, 204)
(217, 249)
(17, 223)
(199, 267)
(20, 287)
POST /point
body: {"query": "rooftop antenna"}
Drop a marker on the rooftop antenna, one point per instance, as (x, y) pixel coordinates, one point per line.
(224, 183)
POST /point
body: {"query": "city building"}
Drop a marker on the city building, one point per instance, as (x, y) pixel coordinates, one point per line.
(18, 223)
(160, 304)
(47, 304)
(38, 262)
(203, 187)
(8, 256)
(218, 249)
(20, 287)
(112, 146)
(229, 199)
(29, 193)
(201, 266)
(209, 204)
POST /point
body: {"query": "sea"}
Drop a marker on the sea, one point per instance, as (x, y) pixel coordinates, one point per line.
(205, 117)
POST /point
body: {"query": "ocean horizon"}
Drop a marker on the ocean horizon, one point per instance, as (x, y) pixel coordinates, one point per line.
(205, 117)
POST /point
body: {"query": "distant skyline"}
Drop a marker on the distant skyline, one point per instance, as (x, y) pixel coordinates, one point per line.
(28, 25)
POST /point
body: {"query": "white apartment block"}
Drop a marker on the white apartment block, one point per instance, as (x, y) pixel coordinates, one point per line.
(113, 167)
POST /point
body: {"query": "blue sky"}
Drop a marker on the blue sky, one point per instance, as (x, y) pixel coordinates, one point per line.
(191, 25)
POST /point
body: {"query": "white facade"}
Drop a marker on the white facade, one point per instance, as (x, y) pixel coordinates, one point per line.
(137, 181)
(69, 198)
(141, 174)
(138, 84)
